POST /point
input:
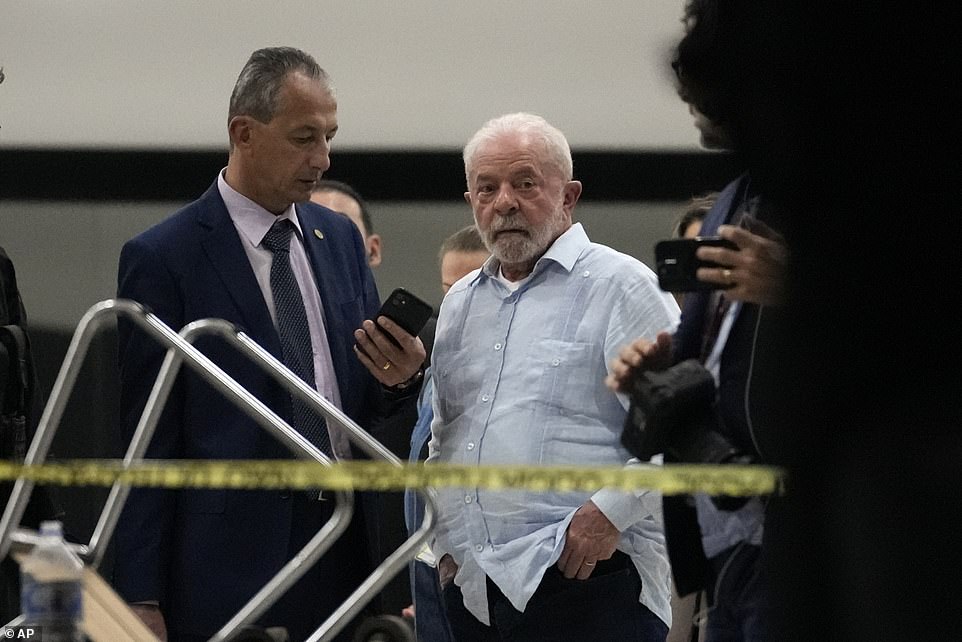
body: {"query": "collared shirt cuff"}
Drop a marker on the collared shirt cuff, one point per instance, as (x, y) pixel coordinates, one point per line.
(622, 509)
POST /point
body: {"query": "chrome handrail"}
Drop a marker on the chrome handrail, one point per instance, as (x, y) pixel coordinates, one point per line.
(297, 566)
(180, 349)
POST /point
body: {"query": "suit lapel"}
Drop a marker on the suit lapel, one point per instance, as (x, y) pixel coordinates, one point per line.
(688, 339)
(325, 275)
(226, 255)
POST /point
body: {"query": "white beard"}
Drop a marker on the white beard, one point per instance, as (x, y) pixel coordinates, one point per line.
(516, 249)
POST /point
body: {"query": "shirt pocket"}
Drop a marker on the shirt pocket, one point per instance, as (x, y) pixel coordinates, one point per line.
(562, 372)
(569, 377)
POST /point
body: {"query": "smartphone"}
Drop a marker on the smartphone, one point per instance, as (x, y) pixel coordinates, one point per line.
(406, 310)
(676, 263)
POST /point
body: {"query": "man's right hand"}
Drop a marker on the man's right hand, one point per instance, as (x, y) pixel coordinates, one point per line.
(151, 615)
(638, 356)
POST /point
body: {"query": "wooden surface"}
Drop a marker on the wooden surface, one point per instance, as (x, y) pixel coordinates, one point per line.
(107, 618)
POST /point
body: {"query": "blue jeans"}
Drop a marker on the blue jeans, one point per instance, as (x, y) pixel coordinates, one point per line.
(430, 618)
(603, 608)
(430, 614)
(740, 610)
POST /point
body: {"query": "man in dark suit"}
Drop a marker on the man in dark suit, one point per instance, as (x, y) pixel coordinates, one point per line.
(188, 560)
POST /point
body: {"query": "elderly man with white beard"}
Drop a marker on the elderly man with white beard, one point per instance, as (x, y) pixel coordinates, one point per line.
(520, 360)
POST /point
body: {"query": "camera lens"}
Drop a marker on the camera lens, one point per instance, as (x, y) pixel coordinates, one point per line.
(667, 271)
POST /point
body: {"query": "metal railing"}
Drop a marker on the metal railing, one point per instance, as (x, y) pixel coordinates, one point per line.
(180, 349)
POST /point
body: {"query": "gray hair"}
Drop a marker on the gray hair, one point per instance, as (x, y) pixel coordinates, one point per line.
(260, 81)
(553, 142)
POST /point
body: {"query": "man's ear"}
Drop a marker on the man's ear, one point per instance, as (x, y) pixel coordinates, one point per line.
(572, 192)
(373, 250)
(239, 129)
(467, 197)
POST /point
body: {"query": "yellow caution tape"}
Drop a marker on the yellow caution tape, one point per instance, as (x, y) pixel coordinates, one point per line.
(670, 479)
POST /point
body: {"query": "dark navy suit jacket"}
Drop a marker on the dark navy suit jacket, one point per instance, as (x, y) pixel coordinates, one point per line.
(682, 533)
(739, 363)
(204, 553)
(686, 343)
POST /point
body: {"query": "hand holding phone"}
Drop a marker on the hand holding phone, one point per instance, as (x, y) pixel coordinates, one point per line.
(406, 310)
(396, 366)
(677, 265)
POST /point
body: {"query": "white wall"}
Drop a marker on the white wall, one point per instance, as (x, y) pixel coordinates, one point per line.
(412, 74)
(417, 74)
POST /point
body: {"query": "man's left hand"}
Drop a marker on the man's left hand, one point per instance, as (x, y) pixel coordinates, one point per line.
(755, 272)
(591, 537)
(389, 363)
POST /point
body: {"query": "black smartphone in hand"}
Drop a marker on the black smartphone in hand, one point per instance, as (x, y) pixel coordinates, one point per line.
(676, 263)
(406, 310)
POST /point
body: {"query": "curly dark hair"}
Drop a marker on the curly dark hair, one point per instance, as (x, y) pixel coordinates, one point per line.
(707, 59)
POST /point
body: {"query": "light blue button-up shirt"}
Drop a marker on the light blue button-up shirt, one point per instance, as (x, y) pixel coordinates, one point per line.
(519, 379)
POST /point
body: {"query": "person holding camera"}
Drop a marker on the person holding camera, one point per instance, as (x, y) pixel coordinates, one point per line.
(699, 395)
(710, 403)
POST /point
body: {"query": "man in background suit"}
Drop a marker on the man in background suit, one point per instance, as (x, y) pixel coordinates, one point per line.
(341, 197)
(189, 560)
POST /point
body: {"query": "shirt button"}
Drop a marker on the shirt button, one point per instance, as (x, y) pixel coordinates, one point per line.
(484, 397)
(467, 499)
(471, 445)
(556, 362)
(497, 346)
(479, 548)
(586, 274)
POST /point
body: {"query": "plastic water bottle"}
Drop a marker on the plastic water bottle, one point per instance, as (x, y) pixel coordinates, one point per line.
(51, 583)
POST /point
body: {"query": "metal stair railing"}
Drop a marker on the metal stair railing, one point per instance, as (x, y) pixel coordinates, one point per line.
(297, 566)
(179, 349)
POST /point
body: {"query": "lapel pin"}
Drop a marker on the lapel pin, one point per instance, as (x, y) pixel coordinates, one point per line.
(319, 234)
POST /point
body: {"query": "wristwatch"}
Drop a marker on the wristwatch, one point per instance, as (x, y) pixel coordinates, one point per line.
(404, 385)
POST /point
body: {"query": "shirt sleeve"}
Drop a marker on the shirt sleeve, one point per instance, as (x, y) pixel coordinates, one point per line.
(641, 309)
(626, 508)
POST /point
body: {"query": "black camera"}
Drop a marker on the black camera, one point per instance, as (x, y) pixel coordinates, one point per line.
(673, 411)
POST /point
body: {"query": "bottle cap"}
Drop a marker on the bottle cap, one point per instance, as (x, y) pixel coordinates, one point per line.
(51, 527)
